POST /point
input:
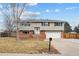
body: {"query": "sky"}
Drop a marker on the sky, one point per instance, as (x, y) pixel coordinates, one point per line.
(53, 11)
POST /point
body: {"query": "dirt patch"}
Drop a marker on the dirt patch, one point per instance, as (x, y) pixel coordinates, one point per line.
(52, 51)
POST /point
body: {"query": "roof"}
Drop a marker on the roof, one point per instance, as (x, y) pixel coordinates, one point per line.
(41, 20)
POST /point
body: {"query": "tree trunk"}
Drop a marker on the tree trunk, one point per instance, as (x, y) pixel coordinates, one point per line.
(17, 31)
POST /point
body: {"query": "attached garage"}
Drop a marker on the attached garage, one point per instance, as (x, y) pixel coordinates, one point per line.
(56, 35)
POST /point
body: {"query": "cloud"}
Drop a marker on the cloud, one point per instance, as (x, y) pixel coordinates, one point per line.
(50, 11)
(47, 10)
(1, 21)
(32, 13)
(1, 13)
(57, 10)
(38, 13)
(70, 8)
(1, 6)
(28, 14)
(32, 4)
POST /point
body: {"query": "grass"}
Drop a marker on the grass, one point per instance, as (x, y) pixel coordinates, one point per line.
(10, 45)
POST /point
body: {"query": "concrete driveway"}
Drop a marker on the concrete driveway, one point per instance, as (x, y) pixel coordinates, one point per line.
(67, 47)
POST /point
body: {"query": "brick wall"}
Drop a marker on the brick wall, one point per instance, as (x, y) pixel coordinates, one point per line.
(42, 35)
(30, 35)
(23, 36)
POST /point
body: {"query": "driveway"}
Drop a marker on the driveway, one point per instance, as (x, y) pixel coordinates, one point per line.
(67, 47)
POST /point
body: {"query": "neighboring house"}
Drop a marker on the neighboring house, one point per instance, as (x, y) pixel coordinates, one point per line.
(48, 28)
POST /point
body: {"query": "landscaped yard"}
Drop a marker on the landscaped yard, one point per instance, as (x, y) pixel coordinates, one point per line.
(10, 45)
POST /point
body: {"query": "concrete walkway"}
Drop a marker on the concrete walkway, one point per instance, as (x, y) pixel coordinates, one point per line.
(66, 47)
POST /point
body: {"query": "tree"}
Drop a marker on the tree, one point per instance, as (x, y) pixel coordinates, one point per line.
(12, 13)
(10, 25)
(76, 29)
(78, 26)
(67, 27)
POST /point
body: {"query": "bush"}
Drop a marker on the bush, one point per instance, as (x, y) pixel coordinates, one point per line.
(4, 34)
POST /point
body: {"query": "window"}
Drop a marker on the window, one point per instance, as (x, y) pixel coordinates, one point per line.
(26, 32)
(58, 23)
(25, 24)
(45, 24)
(37, 28)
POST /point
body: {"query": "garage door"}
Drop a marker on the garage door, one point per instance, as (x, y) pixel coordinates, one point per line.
(53, 35)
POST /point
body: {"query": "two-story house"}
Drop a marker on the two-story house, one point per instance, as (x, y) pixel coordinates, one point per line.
(49, 28)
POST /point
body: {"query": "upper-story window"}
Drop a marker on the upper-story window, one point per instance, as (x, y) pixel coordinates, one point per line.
(25, 24)
(58, 23)
(45, 24)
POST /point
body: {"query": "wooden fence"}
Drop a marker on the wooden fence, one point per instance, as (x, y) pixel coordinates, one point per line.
(70, 35)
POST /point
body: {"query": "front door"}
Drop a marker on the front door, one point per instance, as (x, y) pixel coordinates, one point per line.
(37, 30)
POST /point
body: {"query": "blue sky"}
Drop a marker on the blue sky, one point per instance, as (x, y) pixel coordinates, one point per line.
(67, 12)
(55, 11)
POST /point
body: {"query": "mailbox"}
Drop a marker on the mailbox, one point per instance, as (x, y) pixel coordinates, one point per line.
(50, 39)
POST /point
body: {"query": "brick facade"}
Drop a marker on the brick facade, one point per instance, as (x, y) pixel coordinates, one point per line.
(31, 35)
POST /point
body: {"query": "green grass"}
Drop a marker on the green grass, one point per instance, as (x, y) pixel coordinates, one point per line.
(10, 45)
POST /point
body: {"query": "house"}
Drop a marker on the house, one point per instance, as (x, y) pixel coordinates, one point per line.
(43, 28)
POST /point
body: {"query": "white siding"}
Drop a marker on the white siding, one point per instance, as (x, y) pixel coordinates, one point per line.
(51, 27)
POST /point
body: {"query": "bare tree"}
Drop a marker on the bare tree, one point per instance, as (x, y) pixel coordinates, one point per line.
(7, 14)
(17, 17)
(10, 25)
(12, 13)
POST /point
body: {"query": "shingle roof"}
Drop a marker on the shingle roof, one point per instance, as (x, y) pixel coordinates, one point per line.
(41, 20)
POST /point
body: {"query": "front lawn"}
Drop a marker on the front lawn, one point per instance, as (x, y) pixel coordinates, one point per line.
(10, 45)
